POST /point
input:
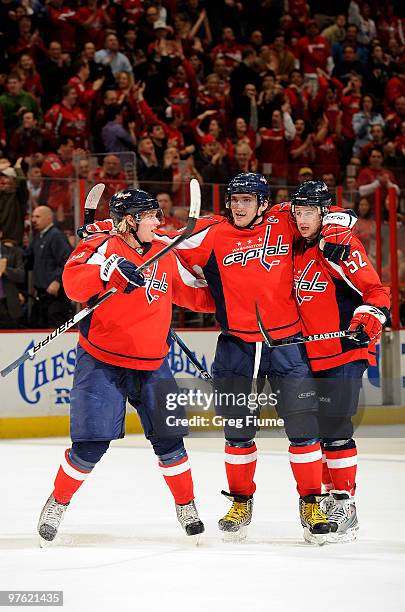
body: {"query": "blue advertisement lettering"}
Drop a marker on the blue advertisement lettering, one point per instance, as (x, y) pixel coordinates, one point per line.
(43, 373)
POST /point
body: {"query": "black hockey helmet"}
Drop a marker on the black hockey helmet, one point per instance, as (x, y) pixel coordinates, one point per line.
(312, 193)
(133, 202)
(248, 182)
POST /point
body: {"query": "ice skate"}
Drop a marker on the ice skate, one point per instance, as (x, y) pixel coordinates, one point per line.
(190, 521)
(314, 521)
(342, 518)
(235, 522)
(327, 502)
(49, 520)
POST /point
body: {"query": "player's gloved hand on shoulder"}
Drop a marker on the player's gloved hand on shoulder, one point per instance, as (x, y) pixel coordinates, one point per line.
(122, 274)
(105, 226)
(336, 235)
(369, 321)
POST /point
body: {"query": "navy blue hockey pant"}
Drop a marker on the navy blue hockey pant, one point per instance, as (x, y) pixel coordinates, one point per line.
(241, 369)
(98, 406)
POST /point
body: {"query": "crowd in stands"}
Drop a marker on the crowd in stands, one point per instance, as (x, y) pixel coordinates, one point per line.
(152, 93)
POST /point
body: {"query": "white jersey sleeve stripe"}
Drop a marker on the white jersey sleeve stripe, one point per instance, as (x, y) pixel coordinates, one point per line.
(98, 257)
(343, 275)
(188, 278)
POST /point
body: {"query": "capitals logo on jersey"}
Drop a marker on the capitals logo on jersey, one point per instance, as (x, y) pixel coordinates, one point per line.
(304, 284)
(153, 284)
(258, 251)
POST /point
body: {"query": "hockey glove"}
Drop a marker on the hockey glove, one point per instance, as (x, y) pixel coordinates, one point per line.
(336, 235)
(97, 227)
(369, 320)
(121, 274)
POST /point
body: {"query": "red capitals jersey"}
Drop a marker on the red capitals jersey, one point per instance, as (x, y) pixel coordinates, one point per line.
(314, 53)
(245, 266)
(327, 294)
(63, 121)
(57, 193)
(274, 148)
(131, 330)
(350, 106)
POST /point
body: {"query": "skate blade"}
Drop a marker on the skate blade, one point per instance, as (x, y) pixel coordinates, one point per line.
(235, 537)
(195, 539)
(316, 539)
(340, 538)
(45, 543)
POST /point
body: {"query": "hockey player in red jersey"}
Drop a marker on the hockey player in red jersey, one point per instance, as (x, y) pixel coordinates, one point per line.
(246, 258)
(332, 296)
(122, 350)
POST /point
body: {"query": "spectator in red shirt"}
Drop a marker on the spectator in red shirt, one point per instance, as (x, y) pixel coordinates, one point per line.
(67, 119)
(62, 22)
(86, 91)
(28, 41)
(228, 49)
(94, 20)
(378, 141)
(350, 105)
(56, 171)
(31, 79)
(183, 88)
(274, 145)
(170, 223)
(395, 88)
(212, 98)
(374, 176)
(314, 52)
(394, 120)
(298, 96)
(327, 100)
(114, 178)
(326, 147)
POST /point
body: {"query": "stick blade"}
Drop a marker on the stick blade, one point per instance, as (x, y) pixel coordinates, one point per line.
(93, 197)
(195, 199)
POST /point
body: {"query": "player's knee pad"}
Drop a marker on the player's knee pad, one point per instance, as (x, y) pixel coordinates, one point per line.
(336, 428)
(165, 447)
(242, 443)
(301, 426)
(338, 445)
(173, 456)
(85, 455)
(303, 441)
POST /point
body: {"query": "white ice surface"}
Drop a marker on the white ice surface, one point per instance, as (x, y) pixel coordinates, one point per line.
(120, 547)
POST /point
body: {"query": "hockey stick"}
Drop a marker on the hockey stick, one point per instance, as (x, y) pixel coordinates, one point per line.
(271, 343)
(195, 205)
(204, 374)
(91, 203)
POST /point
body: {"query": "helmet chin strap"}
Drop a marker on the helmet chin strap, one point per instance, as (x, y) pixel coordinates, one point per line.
(145, 246)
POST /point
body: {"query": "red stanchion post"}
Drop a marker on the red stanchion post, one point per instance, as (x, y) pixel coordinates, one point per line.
(392, 219)
(378, 256)
(216, 199)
